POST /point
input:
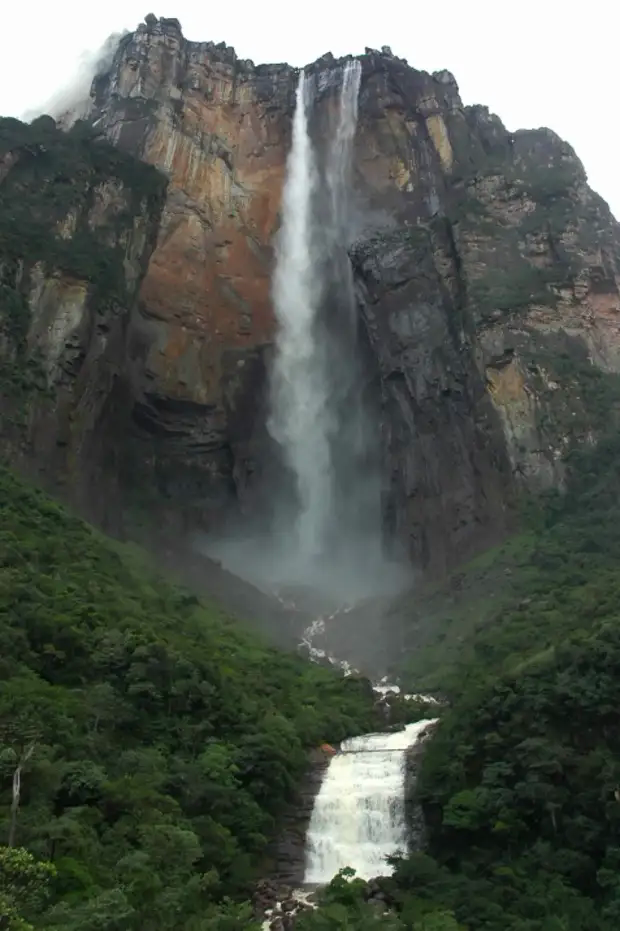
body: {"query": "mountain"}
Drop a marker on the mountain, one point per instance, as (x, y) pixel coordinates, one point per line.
(159, 745)
(486, 272)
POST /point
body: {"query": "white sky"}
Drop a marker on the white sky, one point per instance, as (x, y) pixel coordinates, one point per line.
(534, 62)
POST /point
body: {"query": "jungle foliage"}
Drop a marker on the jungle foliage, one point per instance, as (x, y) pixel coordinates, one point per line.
(521, 783)
(157, 740)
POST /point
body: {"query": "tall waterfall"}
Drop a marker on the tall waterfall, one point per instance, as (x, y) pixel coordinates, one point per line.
(340, 153)
(359, 814)
(356, 477)
(315, 347)
(322, 532)
(300, 414)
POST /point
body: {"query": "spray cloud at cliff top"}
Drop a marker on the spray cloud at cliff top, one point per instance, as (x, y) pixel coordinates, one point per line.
(325, 515)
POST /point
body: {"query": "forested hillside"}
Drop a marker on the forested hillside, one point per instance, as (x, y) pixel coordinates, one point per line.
(157, 741)
(521, 784)
(521, 780)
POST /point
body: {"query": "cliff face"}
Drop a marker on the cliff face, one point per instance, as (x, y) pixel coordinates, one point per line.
(486, 272)
(491, 301)
(219, 129)
(78, 220)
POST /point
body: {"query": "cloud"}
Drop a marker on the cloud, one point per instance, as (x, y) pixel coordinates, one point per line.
(72, 101)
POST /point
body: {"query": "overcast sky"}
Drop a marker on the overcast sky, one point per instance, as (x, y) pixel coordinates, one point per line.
(534, 62)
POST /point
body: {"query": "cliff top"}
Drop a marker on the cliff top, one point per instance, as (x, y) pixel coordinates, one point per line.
(171, 27)
(372, 60)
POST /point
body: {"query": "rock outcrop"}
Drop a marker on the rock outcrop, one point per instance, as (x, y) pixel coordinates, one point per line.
(78, 221)
(486, 271)
(490, 299)
(287, 859)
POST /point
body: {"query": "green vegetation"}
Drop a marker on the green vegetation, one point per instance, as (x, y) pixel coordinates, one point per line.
(586, 400)
(68, 203)
(54, 177)
(347, 904)
(157, 742)
(515, 287)
(521, 784)
(21, 372)
(547, 184)
(24, 887)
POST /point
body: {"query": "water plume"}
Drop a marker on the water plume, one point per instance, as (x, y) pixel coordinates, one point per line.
(300, 415)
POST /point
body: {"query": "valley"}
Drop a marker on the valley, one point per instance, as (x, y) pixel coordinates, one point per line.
(309, 522)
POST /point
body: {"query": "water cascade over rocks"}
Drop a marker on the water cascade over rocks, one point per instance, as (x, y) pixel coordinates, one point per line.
(359, 814)
(327, 546)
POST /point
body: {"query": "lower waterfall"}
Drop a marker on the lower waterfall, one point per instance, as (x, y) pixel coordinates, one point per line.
(358, 817)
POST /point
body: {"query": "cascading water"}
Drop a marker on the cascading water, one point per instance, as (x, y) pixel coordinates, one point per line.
(317, 405)
(357, 483)
(318, 527)
(299, 420)
(330, 548)
(358, 817)
(339, 156)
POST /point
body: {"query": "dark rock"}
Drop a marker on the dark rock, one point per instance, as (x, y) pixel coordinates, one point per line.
(413, 811)
(288, 853)
(170, 23)
(457, 446)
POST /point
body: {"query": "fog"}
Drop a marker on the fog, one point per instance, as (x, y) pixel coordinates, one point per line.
(71, 101)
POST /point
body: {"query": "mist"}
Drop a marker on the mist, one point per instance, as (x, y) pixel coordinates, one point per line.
(72, 100)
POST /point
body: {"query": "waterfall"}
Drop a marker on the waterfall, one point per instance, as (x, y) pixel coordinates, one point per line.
(300, 417)
(340, 155)
(354, 452)
(317, 410)
(358, 817)
(323, 526)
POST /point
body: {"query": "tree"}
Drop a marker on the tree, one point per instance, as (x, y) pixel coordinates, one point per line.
(24, 888)
(108, 911)
(438, 921)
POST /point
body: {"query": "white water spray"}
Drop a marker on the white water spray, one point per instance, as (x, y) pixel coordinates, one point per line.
(299, 420)
(357, 482)
(340, 153)
(305, 415)
(358, 817)
(324, 529)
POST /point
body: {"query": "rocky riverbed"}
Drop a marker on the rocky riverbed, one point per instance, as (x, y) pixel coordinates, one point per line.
(280, 906)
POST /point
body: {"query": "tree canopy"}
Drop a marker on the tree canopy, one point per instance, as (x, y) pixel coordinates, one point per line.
(157, 740)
